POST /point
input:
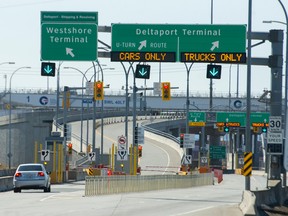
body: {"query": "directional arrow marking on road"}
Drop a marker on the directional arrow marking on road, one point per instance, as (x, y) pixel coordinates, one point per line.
(142, 44)
(215, 44)
(69, 52)
(213, 72)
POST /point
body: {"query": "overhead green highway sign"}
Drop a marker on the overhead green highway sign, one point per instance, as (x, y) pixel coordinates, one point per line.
(185, 43)
(240, 117)
(69, 36)
(197, 119)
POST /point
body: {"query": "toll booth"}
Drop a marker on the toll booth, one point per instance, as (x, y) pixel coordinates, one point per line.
(54, 146)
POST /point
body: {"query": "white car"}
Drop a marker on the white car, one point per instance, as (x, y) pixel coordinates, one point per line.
(31, 176)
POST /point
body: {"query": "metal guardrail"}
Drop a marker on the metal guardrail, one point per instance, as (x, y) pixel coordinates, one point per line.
(161, 133)
(101, 185)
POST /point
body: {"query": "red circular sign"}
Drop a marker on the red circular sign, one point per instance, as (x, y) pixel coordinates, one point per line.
(121, 140)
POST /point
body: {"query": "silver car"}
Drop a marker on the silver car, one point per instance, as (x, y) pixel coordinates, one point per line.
(31, 176)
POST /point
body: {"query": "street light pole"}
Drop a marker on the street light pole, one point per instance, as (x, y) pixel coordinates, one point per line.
(286, 87)
(82, 108)
(5, 76)
(10, 114)
(58, 94)
(7, 63)
(230, 88)
(102, 110)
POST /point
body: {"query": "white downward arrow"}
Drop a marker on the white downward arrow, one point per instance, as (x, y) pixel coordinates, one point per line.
(69, 52)
(215, 44)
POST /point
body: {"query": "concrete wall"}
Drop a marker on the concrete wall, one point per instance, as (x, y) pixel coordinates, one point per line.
(6, 183)
(26, 129)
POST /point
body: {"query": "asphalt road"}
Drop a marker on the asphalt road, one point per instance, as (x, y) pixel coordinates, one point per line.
(68, 199)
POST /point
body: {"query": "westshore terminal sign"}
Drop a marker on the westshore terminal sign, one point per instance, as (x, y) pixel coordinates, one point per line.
(179, 43)
(69, 36)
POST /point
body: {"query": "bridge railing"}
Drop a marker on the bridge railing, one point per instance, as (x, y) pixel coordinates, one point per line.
(160, 133)
(101, 185)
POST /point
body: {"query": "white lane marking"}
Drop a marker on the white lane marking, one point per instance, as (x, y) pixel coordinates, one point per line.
(197, 210)
(46, 198)
(63, 195)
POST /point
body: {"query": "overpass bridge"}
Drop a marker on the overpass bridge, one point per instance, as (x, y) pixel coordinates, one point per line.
(144, 102)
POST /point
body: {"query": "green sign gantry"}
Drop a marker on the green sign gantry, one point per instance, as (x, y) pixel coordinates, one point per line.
(185, 43)
(69, 36)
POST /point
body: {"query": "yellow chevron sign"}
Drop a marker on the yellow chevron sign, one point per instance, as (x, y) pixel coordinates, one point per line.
(247, 168)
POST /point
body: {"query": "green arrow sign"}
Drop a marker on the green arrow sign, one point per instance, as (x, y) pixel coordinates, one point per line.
(187, 43)
(142, 71)
(47, 69)
(69, 36)
(213, 71)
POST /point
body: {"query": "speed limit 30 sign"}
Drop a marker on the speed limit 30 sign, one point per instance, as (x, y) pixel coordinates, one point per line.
(275, 124)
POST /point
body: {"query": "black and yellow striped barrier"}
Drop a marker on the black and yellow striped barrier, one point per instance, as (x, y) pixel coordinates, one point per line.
(90, 171)
(247, 168)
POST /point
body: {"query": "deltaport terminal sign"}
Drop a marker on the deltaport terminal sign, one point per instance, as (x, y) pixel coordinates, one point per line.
(185, 43)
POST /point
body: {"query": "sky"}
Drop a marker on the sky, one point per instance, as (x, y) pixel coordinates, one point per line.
(21, 33)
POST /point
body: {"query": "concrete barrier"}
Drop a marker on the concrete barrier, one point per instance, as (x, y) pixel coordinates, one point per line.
(76, 175)
(6, 183)
(101, 185)
(7, 172)
(165, 140)
(248, 202)
(253, 201)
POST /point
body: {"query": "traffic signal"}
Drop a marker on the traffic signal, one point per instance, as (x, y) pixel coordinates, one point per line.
(70, 148)
(221, 129)
(181, 140)
(166, 92)
(65, 130)
(226, 129)
(142, 71)
(98, 91)
(264, 129)
(139, 151)
(48, 69)
(213, 71)
(136, 136)
(67, 99)
(256, 130)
